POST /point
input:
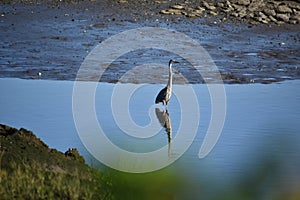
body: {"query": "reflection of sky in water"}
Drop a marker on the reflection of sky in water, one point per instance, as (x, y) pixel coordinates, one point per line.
(262, 121)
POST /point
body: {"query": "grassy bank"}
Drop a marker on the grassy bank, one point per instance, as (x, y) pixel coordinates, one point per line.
(29, 169)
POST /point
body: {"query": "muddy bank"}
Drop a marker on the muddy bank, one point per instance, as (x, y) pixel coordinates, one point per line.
(49, 40)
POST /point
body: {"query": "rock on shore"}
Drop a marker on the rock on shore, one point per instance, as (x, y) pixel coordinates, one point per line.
(253, 11)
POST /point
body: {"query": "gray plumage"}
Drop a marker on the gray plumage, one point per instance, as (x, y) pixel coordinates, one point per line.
(165, 94)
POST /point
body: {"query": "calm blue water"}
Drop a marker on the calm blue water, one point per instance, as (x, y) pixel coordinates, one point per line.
(262, 124)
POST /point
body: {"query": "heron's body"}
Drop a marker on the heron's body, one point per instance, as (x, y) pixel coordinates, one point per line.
(165, 94)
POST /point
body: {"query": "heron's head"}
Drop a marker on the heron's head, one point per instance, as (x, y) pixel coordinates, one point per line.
(172, 62)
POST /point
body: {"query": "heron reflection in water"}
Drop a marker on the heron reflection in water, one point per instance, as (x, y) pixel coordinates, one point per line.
(165, 121)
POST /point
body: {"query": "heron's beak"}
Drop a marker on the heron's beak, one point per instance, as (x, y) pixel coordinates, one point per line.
(175, 62)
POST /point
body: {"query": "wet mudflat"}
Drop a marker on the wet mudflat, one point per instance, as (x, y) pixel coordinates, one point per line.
(55, 41)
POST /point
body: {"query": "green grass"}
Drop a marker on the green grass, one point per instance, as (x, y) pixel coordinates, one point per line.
(30, 181)
(31, 170)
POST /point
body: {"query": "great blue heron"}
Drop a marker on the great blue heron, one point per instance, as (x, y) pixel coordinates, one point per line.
(165, 94)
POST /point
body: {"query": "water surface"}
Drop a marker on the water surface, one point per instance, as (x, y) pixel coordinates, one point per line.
(262, 126)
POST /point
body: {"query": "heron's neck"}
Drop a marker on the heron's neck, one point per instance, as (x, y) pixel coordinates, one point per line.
(170, 76)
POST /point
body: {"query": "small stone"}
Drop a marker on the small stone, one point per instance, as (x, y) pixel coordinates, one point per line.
(228, 4)
(262, 20)
(237, 7)
(200, 8)
(221, 5)
(272, 18)
(228, 10)
(228, 7)
(213, 13)
(256, 5)
(198, 12)
(296, 12)
(190, 9)
(184, 13)
(295, 5)
(244, 2)
(235, 14)
(161, 2)
(293, 21)
(283, 17)
(284, 9)
(179, 7)
(209, 7)
(165, 12)
(261, 14)
(269, 11)
(243, 13)
(296, 17)
(175, 12)
(191, 15)
(279, 22)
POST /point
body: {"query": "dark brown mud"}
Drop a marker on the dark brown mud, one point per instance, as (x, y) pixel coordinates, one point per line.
(50, 40)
